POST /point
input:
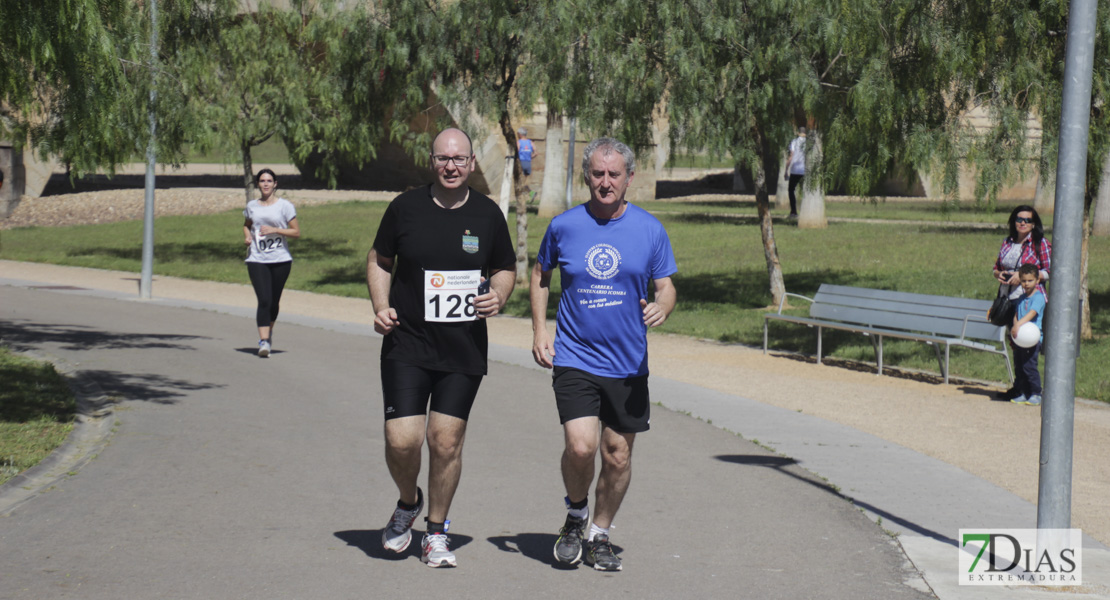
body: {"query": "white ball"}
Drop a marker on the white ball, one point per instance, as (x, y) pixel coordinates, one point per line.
(1028, 335)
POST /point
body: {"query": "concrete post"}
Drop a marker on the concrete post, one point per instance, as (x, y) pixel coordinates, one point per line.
(11, 163)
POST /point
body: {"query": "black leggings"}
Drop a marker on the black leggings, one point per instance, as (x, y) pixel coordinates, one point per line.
(268, 280)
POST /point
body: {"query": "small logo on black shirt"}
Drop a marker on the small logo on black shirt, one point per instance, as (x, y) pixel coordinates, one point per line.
(469, 242)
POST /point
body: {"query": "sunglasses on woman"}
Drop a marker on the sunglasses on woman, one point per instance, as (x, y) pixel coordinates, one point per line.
(1022, 220)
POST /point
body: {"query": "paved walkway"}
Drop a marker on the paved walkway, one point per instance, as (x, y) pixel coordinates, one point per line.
(218, 474)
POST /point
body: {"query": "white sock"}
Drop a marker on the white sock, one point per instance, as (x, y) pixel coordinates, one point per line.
(579, 513)
(596, 531)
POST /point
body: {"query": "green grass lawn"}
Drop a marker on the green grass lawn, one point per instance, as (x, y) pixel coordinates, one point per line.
(856, 208)
(272, 151)
(722, 281)
(36, 412)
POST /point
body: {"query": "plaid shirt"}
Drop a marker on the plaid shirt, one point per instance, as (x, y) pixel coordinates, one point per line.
(1041, 257)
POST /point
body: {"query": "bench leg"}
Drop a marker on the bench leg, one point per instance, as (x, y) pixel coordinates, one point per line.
(947, 353)
(877, 346)
(943, 362)
(880, 354)
(819, 328)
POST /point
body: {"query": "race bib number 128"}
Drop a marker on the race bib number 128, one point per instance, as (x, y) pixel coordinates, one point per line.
(449, 295)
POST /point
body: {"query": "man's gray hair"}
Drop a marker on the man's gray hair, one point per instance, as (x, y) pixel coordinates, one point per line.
(608, 145)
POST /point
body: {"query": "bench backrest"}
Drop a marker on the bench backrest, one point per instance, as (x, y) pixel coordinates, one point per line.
(942, 315)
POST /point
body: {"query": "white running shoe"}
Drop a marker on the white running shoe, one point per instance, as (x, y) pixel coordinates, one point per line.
(436, 553)
(398, 532)
(263, 348)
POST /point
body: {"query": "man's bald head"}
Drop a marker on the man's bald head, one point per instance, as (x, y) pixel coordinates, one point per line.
(454, 134)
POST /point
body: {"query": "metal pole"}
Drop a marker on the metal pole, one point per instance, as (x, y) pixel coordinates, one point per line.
(148, 207)
(570, 165)
(1058, 412)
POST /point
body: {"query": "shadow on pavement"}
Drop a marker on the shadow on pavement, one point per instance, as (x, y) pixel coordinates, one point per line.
(146, 387)
(370, 542)
(254, 350)
(780, 464)
(536, 546)
(914, 527)
(20, 336)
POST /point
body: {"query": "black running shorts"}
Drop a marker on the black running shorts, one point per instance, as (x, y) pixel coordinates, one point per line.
(407, 389)
(622, 404)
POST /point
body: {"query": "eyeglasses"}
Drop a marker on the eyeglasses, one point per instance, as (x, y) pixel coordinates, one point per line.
(1022, 220)
(442, 160)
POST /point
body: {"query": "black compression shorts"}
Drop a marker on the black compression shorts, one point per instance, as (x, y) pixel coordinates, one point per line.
(408, 388)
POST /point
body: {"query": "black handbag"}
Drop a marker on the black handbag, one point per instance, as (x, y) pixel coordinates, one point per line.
(1002, 311)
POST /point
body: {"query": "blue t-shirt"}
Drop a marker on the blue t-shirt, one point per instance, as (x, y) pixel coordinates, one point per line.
(524, 150)
(1034, 302)
(604, 270)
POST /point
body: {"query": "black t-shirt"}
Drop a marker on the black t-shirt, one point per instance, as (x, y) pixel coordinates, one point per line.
(423, 236)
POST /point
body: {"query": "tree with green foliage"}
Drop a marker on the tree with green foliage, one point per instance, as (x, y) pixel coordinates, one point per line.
(63, 83)
(302, 73)
(482, 69)
(505, 55)
(238, 76)
(869, 77)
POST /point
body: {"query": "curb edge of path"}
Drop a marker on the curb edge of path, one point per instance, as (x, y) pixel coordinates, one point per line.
(93, 428)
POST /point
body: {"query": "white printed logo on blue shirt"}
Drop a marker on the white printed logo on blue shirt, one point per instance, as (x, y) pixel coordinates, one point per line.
(603, 261)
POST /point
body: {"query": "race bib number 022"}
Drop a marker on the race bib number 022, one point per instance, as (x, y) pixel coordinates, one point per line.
(449, 296)
(268, 243)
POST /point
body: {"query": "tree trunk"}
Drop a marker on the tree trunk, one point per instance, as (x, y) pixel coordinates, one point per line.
(811, 214)
(522, 274)
(512, 168)
(553, 193)
(248, 170)
(782, 197)
(763, 203)
(506, 187)
(1044, 199)
(1101, 217)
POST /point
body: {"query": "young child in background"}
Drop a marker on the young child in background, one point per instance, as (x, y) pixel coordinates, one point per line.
(1030, 307)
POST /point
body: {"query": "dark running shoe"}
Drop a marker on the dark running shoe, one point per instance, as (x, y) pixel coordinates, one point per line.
(599, 553)
(568, 548)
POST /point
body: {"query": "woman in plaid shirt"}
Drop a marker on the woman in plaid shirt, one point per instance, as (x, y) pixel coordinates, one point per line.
(1026, 244)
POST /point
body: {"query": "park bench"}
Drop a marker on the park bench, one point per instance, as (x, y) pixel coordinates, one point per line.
(935, 320)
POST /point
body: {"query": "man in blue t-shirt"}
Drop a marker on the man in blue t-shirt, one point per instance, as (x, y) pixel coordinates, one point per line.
(524, 151)
(607, 252)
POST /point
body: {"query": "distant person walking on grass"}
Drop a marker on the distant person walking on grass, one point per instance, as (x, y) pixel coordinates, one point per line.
(269, 223)
(796, 169)
(608, 252)
(441, 264)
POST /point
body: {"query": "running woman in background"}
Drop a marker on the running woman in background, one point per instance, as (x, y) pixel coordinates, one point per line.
(268, 223)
